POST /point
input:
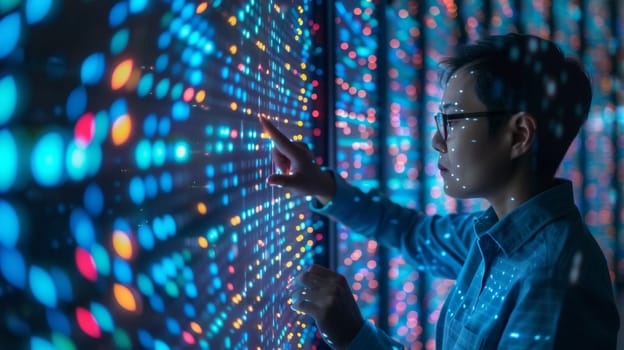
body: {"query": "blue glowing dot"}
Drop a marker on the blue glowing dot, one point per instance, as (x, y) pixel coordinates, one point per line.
(194, 38)
(160, 345)
(58, 322)
(42, 286)
(93, 199)
(145, 285)
(159, 228)
(118, 14)
(164, 127)
(196, 77)
(62, 283)
(9, 233)
(94, 159)
(176, 91)
(145, 339)
(102, 261)
(37, 343)
(10, 27)
(184, 31)
(76, 161)
(118, 108)
(102, 316)
(8, 91)
(164, 40)
(47, 160)
(150, 124)
(180, 111)
(143, 154)
(166, 182)
(13, 267)
(76, 103)
(158, 275)
(191, 290)
(225, 72)
(161, 63)
(173, 326)
(151, 186)
(82, 228)
(157, 303)
(146, 238)
(162, 88)
(137, 6)
(137, 190)
(182, 151)
(159, 152)
(122, 271)
(209, 47)
(119, 41)
(145, 85)
(93, 69)
(101, 127)
(187, 11)
(225, 200)
(8, 159)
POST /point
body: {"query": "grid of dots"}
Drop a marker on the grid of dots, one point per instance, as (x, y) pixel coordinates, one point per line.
(133, 202)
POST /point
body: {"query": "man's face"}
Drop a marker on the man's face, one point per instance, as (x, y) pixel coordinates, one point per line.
(472, 162)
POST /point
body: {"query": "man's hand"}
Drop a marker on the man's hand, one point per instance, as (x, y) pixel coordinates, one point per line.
(325, 295)
(299, 173)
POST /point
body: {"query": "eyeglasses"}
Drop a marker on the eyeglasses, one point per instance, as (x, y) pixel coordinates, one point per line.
(442, 119)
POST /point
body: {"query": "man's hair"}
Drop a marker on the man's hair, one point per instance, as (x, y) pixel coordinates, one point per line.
(525, 73)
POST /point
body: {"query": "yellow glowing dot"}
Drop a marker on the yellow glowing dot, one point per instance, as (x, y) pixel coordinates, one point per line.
(235, 220)
(287, 48)
(259, 326)
(121, 74)
(302, 249)
(124, 297)
(233, 49)
(201, 7)
(232, 21)
(299, 238)
(203, 242)
(288, 248)
(233, 106)
(287, 195)
(300, 123)
(201, 96)
(287, 66)
(201, 208)
(121, 129)
(289, 264)
(122, 244)
(196, 327)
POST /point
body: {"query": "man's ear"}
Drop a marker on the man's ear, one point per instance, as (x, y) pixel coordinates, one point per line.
(523, 127)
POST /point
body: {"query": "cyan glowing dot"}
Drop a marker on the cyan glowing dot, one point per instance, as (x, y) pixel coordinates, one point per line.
(145, 85)
(137, 190)
(145, 339)
(118, 108)
(187, 11)
(159, 228)
(182, 151)
(94, 157)
(62, 283)
(159, 152)
(151, 186)
(101, 127)
(180, 111)
(102, 316)
(191, 290)
(145, 285)
(47, 159)
(137, 6)
(122, 271)
(143, 154)
(82, 228)
(193, 38)
(76, 103)
(146, 238)
(93, 199)
(93, 69)
(118, 14)
(176, 91)
(150, 124)
(164, 40)
(101, 258)
(196, 77)
(162, 88)
(57, 321)
(37, 343)
(119, 41)
(164, 126)
(76, 161)
(9, 232)
(173, 326)
(8, 91)
(172, 289)
(209, 47)
(166, 182)
(8, 159)
(42, 286)
(10, 27)
(161, 63)
(225, 72)
(184, 31)
(12, 267)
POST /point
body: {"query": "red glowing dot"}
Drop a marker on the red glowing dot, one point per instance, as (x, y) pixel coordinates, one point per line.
(88, 323)
(231, 269)
(86, 264)
(317, 132)
(230, 286)
(188, 94)
(84, 129)
(188, 338)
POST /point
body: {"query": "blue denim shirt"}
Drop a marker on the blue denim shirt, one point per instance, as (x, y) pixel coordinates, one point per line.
(536, 279)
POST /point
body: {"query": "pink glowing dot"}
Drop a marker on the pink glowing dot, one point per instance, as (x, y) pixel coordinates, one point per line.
(188, 338)
(86, 264)
(188, 94)
(88, 323)
(85, 129)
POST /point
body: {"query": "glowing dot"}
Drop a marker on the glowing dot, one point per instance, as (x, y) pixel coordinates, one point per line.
(201, 7)
(85, 264)
(88, 323)
(8, 91)
(188, 337)
(121, 128)
(201, 208)
(10, 27)
(8, 159)
(121, 74)
(37, 343)
(42, 286)
(125, 297)
(233, 106)
(201, 96)
(122, 244)
(84, 129)
(102, 316)
(13, 267)
(10, 225)
(203, 242)
(47, 159)
(92, 69)
(232, 21)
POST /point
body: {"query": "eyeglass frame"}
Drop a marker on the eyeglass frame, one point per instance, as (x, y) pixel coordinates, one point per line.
(443, 118)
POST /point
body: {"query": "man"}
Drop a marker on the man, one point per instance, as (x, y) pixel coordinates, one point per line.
(528, 273)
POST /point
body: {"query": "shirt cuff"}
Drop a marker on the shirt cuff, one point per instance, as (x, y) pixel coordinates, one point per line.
(339, 203)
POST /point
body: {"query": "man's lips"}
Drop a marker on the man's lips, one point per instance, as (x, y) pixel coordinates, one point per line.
(442, 168)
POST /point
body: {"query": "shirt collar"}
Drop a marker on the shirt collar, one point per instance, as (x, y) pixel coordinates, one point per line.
(511, 232)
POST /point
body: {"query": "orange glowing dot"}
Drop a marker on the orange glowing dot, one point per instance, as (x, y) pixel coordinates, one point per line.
(201, 96)
(121, 130)
(201, 208)
(232, 21)
(122, 244)
(201, 7)
(121, 74)
(233, 106)
(203, 242)
(124, 297)
(196, 327)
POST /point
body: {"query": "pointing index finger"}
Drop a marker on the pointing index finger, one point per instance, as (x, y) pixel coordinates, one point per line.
(281, 141)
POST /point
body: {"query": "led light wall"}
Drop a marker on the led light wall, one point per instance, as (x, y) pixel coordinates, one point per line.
(134, 212)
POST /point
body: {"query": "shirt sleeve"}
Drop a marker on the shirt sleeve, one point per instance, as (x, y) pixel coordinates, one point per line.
(436, 243)
(372, 338)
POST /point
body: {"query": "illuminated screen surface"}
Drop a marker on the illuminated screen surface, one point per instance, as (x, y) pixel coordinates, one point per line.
(133, 202)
